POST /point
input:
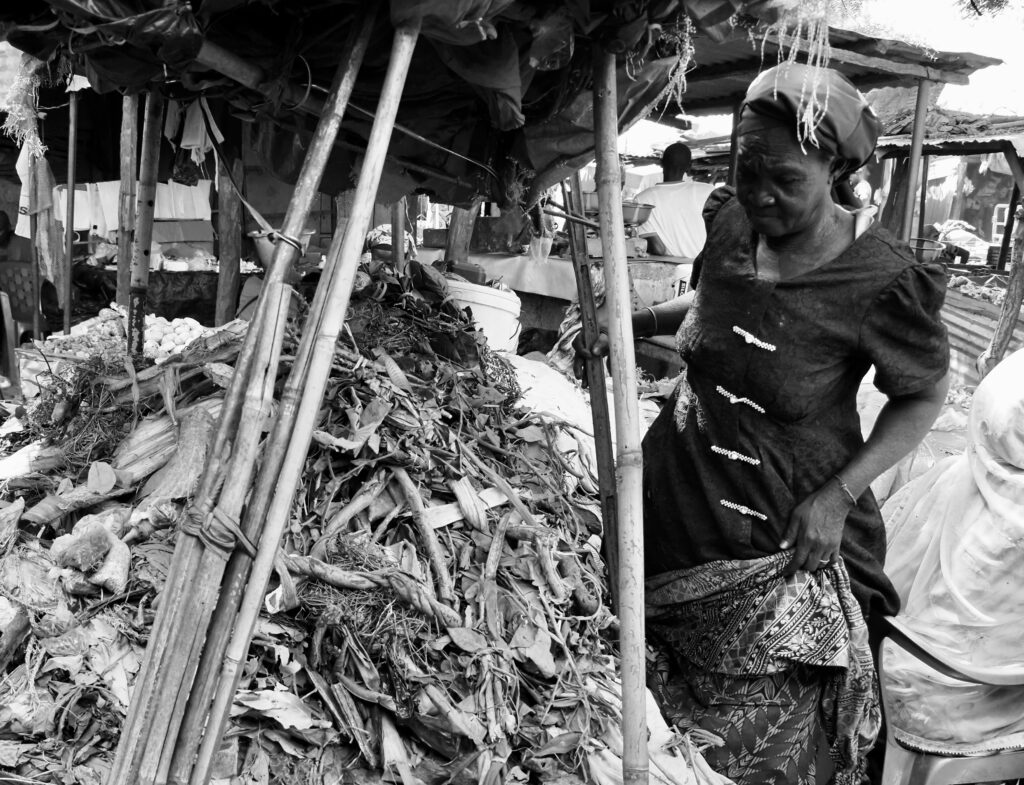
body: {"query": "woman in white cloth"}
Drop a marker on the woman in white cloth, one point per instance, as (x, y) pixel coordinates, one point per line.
(956, 557)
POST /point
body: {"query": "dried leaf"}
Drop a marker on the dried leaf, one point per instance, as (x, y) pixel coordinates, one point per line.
(12, 752)
(467, 639)
(102, 478)
(284, 708)
(560, 745)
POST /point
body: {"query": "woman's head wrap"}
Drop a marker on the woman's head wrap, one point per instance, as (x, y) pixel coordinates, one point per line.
(820, 105)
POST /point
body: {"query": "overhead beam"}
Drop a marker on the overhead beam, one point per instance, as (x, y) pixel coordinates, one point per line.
(915, 70)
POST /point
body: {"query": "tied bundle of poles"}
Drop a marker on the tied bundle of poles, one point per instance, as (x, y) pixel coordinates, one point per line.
(226, 553)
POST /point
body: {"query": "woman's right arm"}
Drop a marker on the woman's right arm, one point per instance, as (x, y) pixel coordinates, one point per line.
(663, 319)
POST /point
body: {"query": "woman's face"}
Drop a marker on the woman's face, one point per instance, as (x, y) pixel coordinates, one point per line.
(782, 189)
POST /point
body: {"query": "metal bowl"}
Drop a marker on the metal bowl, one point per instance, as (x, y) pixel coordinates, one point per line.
(635, 213)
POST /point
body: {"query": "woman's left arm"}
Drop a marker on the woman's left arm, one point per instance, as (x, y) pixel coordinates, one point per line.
(816, 525)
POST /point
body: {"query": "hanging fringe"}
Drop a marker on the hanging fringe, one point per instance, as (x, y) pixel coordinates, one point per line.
(804, 26)
(20, 104)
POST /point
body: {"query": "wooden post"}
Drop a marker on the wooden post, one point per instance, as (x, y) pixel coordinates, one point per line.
(734, 146)
(69, 216)
(460, 231)
(629, 499)
(1011, 217)
(398, 235)
(916, 143)
(127, 195)
(598, 390)
(925, 160)
(148, 165)
(229, 238)
(281, 470)
(957, 205)
(33, 231)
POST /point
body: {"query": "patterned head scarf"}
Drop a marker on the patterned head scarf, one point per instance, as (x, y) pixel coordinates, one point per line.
(820, 104)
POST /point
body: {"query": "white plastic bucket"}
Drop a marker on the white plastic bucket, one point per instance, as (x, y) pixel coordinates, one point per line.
(496, 312)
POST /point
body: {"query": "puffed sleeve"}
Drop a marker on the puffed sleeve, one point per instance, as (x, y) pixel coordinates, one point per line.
(903, 334)
(716, 200)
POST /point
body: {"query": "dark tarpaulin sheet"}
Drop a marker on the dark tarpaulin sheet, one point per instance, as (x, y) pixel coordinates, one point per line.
(502, 82)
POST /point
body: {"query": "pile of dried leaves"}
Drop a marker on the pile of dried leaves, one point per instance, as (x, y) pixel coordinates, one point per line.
(439, 614)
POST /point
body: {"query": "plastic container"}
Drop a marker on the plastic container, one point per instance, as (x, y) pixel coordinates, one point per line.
(495, 311)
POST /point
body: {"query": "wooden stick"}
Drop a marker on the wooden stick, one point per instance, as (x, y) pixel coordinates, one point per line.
(229, 238)
(460, 231)
(139, 283)
(598, 390)
(127, 195)
(1011, 218)
(428, 537)
(294, 427)
(627, 421)
(33, 223)
(916, 143)
(398, 235)
(69, 216)
(1008, 316)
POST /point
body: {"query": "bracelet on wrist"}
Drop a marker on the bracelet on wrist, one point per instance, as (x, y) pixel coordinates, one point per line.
(850, 498)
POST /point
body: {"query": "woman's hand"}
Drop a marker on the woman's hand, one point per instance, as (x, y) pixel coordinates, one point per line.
(816, 528)
(598, 348)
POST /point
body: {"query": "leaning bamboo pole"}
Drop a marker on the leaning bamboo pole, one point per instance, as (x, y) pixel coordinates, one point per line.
(126, 194)
(303, 394)
(146, 204)
(69, 215)
(603, 444)
(198, 561)
(627, 424)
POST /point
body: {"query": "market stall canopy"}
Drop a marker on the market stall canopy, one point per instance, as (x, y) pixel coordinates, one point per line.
(498, 99)
(723, 69)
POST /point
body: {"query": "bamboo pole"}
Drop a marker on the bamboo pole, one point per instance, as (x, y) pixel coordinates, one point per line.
(598, 389)
(923, 196)
(916, 143)
(178, 753)
(398, 235)
(241, 422)
(33, 231)
(629, 496)
(146, 204)
(306, 384)
(229, 238)
(126, 195)
(69, 215)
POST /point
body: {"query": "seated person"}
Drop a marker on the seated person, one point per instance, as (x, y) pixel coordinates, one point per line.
(12, 247)
(956, 557)
(676, 225)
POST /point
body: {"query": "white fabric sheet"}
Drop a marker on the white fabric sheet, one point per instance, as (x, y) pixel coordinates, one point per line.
(956, 557)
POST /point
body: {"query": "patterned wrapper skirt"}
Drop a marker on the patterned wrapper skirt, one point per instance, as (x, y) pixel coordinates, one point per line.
(769, 664)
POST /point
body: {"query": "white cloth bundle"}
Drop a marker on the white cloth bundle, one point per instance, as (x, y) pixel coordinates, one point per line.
(956, 557)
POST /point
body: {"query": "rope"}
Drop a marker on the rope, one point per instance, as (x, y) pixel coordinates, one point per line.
(224, 538)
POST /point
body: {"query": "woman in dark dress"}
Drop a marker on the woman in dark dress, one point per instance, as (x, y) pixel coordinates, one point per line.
(764, 545)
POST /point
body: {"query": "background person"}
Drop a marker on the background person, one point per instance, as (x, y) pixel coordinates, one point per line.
(675, 226)
(764, 545)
